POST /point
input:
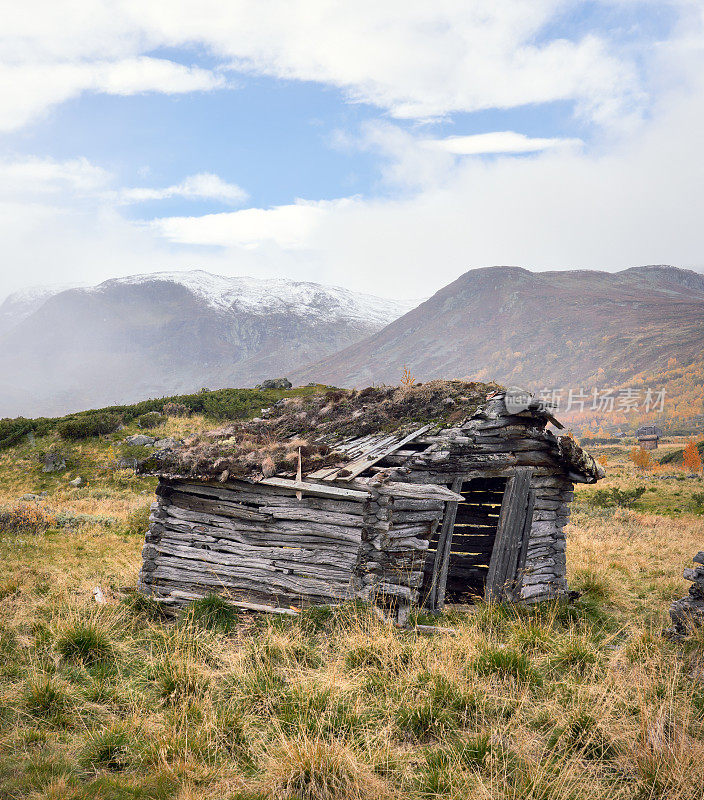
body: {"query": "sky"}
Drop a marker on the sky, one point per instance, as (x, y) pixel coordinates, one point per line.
(385, 147)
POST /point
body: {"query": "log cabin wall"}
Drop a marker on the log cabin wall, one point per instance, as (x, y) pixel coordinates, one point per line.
(490, 447)
(258, 544)
(267, 549)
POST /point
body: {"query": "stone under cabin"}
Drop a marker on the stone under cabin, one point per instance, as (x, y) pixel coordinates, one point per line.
(411, 496)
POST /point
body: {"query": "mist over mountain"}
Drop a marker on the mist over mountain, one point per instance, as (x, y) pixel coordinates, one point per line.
(536, 329)
(164, 333)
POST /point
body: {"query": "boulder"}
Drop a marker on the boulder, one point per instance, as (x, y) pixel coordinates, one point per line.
(31, 498)
(165, 444)
(275, 383)
(53, 462)
(76, 481)
(140, 440)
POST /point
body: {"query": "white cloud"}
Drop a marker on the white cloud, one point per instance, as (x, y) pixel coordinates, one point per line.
(638, 202)
(28, 90)
(289, 226)
(413, 58)
(497, 142)
(629, 200)
(43, 175)
(203, 186)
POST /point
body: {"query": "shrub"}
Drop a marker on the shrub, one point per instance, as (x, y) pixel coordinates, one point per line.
(173, 409)
(137, 521)
(89, 424)
(12, 430)
(212, 611)
(84, 641)
(623, 498)
(25, 519)
(150, 420)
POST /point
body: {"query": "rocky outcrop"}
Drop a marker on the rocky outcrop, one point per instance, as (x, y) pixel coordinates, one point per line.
(688, 612)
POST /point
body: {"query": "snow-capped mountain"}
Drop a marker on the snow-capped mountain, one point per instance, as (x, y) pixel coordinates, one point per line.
(170, 332)
(276, 295)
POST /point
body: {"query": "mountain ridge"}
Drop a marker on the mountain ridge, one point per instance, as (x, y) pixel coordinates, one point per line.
(165, 333)
(538, 329)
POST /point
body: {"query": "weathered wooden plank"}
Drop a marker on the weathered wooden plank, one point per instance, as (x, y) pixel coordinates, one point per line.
(525, 544)
(239, 577)
(324, 571)
(304, 514)
(438, 581)
(418, 491)
(316, 489)
(346, 534)
(504, 559)
(366, 460)
(315, 555)
(215, 506)
(294, 592)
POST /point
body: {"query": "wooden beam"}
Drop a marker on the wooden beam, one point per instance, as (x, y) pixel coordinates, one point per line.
(521, 565)
(442, 556)
(316, 489)
(418, 491)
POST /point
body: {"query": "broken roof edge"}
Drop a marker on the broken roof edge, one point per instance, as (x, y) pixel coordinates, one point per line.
(239, 452)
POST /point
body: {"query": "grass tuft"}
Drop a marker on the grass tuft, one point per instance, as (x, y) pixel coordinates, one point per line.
(304, 768)
(110, 748)
(46, 698)
(84, 641)
(212, 612)
(506, 662)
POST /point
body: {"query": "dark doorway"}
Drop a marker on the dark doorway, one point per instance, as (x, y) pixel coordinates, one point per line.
(473, 535)
(473, 538)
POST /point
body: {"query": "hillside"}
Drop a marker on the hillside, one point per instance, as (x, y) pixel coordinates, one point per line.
(120, 701)
(164, 333)
(537, 329)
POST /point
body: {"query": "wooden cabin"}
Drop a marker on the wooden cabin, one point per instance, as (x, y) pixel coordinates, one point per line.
(439, 495)
(648, 437)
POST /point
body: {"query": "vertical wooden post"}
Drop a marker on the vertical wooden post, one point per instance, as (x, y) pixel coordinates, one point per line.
(438, 583)
(510, 535)
(520, 567)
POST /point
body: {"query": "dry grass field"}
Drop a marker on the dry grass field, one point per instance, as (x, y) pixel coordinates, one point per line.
(581, 702)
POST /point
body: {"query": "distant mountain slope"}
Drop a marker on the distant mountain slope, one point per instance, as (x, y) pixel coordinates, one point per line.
(22, 304)
(545, 329)
(150, 335)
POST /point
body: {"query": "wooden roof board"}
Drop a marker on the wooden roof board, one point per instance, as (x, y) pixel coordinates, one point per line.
(365, 452)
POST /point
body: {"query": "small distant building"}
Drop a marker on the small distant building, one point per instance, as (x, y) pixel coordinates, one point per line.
(648, 436)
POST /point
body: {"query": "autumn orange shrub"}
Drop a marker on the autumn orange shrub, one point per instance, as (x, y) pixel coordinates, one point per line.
(641, 458)
(25, 519)
(692, 459)
(407, 379)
